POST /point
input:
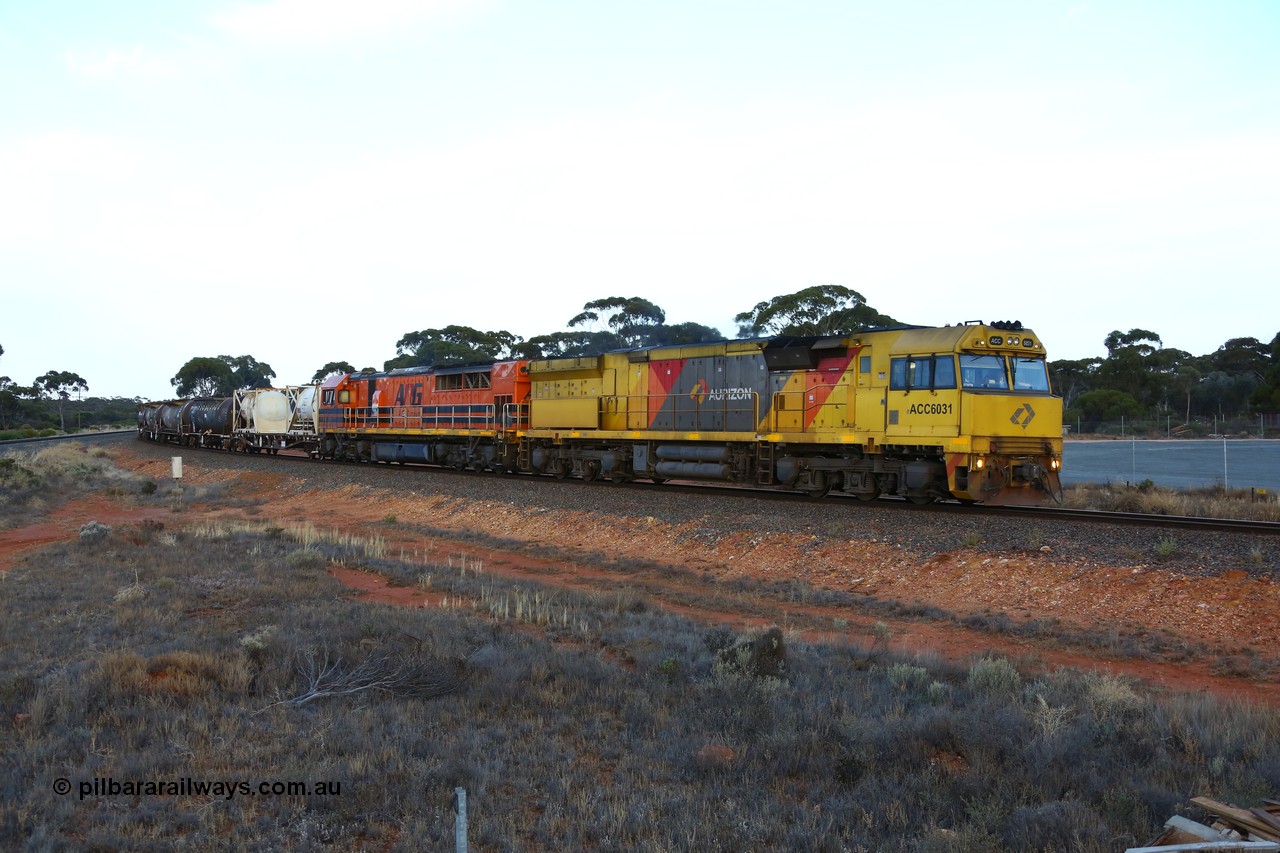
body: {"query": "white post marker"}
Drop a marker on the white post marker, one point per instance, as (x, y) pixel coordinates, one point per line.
(460, 822)
(177, 467)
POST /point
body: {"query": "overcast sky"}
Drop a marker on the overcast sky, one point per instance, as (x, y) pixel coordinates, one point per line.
(305, 181)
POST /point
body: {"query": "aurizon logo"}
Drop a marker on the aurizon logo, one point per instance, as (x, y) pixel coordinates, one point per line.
(1022, 415)
(700, 390)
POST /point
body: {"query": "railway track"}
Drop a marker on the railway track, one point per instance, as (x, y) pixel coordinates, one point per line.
(1037, 513)
(18, 443)
(1217, 525)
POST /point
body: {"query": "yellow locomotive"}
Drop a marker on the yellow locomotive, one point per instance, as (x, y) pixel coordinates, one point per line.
(927, 413)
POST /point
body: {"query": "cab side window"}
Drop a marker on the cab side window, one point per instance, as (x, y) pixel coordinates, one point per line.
(922, 372)
(944, 372)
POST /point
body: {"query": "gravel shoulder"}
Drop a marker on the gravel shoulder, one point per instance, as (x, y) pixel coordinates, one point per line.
(1045, 591)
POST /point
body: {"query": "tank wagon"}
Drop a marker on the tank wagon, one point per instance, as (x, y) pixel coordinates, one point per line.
(962, 412)
(254, 420)
(274, 419)
(206, 419)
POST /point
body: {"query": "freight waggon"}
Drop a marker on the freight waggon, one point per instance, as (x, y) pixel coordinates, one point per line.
(254, 420)
(960, 412)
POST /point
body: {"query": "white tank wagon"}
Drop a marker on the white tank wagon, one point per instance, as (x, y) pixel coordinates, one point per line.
(274, 419)
(306, 411)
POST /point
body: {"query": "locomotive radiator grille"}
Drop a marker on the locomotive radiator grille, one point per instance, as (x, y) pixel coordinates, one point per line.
(1018, 446)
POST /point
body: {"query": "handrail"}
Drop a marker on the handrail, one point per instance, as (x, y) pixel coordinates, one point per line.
(775, 410)
(468, 416)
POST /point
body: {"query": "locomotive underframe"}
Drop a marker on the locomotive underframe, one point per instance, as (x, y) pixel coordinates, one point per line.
(916, 473)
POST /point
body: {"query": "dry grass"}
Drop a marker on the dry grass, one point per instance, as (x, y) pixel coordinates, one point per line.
(1154, 500)
(304, 533)
(31, 481)
(585, 721)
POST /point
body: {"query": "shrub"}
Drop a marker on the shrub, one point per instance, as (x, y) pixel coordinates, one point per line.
(306, 558)
(1060, 825)
(171, 676)
(93, 532)
(907, 677)
(994, 676)
(15, 475)
(755, 656)
(1111, 698)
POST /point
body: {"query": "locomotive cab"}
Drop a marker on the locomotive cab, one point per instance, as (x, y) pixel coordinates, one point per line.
(972, 406)
(1012, 417)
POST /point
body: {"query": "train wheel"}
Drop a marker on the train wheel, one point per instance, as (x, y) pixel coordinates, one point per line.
(558, 469)
(920, 500)
(873, 495)
(590, 470)
(820, 485)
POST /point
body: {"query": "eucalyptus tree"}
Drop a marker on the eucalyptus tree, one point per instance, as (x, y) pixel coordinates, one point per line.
(58, 385)
(825, 309)
(452, 345)
(631, 318)
(331, 369)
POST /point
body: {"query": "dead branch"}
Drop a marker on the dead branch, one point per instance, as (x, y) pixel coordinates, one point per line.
(324, 675)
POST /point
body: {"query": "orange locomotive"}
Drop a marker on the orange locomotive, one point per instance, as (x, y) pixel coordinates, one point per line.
(462, 417)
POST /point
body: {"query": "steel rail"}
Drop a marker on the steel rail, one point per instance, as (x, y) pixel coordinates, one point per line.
(78, 436)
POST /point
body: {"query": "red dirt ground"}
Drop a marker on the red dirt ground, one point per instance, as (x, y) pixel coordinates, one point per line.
(1233, 614)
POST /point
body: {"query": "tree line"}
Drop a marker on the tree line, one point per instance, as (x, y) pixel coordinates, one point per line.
(51, 392)
(1139, 379)
(603, 325)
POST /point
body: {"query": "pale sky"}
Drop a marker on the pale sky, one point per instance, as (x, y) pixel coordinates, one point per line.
(305, 181)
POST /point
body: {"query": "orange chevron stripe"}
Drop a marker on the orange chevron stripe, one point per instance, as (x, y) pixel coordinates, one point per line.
(830, 370)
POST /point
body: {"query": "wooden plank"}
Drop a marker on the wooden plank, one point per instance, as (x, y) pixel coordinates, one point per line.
(1222, 846)
(1239, 817)
(1191, 832)
(1268, 819)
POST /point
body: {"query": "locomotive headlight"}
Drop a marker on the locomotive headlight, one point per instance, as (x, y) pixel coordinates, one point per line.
(1055, 463)
(979, 463)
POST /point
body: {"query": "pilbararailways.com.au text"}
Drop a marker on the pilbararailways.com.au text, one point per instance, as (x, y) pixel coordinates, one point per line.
(185, 786)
